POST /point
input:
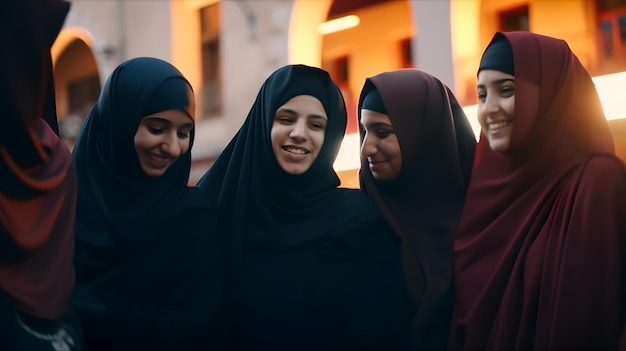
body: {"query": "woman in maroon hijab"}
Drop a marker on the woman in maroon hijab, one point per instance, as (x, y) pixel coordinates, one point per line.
(417, 151)
(540, 253)
(37, 187)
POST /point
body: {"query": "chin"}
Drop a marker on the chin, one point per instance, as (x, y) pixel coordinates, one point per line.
(295, 170)
(498, 146)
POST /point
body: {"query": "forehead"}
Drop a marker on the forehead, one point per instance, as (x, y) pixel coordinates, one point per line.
(174, 117)
(489, 76)
(369, 117)
(304, 103)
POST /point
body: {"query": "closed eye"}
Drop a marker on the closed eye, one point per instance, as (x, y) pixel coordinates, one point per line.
(155, 131)
(383, 133)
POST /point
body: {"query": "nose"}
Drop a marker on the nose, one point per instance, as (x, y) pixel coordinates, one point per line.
(171, 145)
(491, 104)
(368, 147)
(299, 130)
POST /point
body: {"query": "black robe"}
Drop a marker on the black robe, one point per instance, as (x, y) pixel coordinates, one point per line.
(310, 266)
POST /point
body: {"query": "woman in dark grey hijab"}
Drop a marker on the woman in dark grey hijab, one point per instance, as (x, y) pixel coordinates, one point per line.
(148, 267)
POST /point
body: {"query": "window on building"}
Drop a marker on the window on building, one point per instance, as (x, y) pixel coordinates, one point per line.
(612, 35)
(406, 53)
(211, 61)
(514, 19)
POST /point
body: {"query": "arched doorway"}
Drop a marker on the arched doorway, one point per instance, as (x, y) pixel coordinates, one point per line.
(77, 83)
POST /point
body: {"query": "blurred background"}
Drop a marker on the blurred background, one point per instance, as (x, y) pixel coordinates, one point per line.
(228, 48)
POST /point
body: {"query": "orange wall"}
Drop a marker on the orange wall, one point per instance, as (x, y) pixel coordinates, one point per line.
(374, 45)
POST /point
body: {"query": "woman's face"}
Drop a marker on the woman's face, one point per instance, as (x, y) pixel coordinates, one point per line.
(297, 134)
(496, 107)
(380, 145)
(161, 139)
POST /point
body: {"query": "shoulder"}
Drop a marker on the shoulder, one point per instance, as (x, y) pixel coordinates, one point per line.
(603, 171)
(353, 200)
(355, 211)
(601, 184)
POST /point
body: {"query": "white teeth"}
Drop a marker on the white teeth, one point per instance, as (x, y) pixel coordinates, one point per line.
(156, 158)
(296, 151)
(497, 125)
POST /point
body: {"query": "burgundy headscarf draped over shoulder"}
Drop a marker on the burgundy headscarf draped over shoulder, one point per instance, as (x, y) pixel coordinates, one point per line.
(423, 204)
(540, 248)
(38, 181)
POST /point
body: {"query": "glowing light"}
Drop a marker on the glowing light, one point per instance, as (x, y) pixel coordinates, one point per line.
(338, 24)
(612, 91)
(349, 156)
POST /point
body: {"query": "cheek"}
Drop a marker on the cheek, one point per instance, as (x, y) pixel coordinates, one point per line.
(274, 134)
(184, 145)
(481, 116)
(509, 106)
(318, 137)
(142, 140)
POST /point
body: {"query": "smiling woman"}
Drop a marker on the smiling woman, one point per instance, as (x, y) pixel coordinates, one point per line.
(539, 253)
(148, 271)
(310, 266)
(161, 139)
(298, 133)
(417, 152)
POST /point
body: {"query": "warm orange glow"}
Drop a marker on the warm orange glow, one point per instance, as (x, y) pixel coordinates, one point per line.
(338, 24)
(612, 91)
(67, 36)
(185, 41)
(305, 43)
(349, 156)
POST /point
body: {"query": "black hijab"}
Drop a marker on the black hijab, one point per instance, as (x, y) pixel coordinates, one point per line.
(297, 244)
(148, 271)
(117, 202)
(251, 189)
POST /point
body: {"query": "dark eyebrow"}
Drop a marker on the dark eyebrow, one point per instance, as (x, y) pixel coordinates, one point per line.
(499, 81)
(378, 125)
(292, 112)
(166, 121)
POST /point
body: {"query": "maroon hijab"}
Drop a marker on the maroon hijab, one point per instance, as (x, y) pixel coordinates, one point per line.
(38, 187)
(423, 204)
(540, 249)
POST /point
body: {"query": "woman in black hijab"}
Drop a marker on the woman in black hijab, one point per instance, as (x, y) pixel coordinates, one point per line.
(417, 153)
(310, 266)
(148, 270)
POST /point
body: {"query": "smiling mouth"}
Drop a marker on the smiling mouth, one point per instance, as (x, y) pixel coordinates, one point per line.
(158, 159)
(297, 151)
(498, 125)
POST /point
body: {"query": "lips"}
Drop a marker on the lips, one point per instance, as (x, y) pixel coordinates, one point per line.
(493, 126)
(298, 150)
(375, 165)
(158, 161)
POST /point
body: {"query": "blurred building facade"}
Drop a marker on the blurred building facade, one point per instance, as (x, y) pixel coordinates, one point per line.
(228, 48)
